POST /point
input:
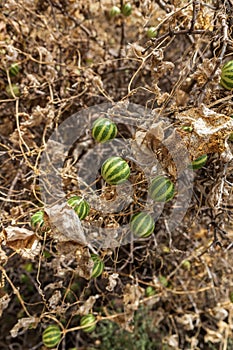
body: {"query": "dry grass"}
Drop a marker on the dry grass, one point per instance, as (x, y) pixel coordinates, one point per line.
(72, 55)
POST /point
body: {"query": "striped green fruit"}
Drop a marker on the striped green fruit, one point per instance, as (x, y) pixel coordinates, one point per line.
(152, 32)
(187, 128)
(150, 291)
(37, 219)
(14, 69)
(126, 9)
(142, 225)
(87, 323)
(51, 336)
(98, 266)
(80, 206)
(227, 75)
(161, 189)
(13, 90)
(115, 11)
(199, 162)
(115, 170)
(103, 130)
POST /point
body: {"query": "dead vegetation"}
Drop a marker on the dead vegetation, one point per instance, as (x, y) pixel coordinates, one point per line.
(73, 55)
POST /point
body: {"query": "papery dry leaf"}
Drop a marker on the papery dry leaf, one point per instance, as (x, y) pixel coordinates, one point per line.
(55, 299)
(205, 70)
(75, 257)
(66, 223)
(84, 262)
(19, 238)
(212, 336)
(132, 296)
(54, 285)
(24, 324)
(88, 305)
(189, 321)
(112, 282)
(219, 312)
(4, 301)
(170, 153)
(210, 131)
(3, 256)
(172, 341)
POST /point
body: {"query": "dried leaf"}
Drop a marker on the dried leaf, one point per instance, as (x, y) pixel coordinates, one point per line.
(23, 241)
(55, 299)
(212, 336)
(132, 296)
(23, 325)
(4, 301)
(112, 282)
(189, 321)
(210, 131)
(66, 223)
(172, 341)
(88, 305)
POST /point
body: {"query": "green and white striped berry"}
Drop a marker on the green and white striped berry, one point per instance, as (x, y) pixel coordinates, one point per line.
(13, 90)
(199, 162)
(80, 206)
(98, 267)
(51, 336)
(37, 219)
(227, 75)
(126, 9)
(150, 291)
(152, 32)
(161, 189)
(115, 11)
(87, 323)
(14, 69)
(142, 225)
(115, 170)
(104, 130)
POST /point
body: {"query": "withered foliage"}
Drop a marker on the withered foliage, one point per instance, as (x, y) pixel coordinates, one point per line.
(72, 55)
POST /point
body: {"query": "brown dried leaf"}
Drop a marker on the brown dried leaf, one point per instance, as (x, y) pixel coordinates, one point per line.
(4, 301)
(66, 223)
(71, 253)
(189, 321)
(132, 296)
(212, 336)
(210, 131)
(19, 238)
(112, 282)
(55, 299)
(24, 324)
(88, 305)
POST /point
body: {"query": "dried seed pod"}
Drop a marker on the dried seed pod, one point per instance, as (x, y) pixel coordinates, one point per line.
(115, 170)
